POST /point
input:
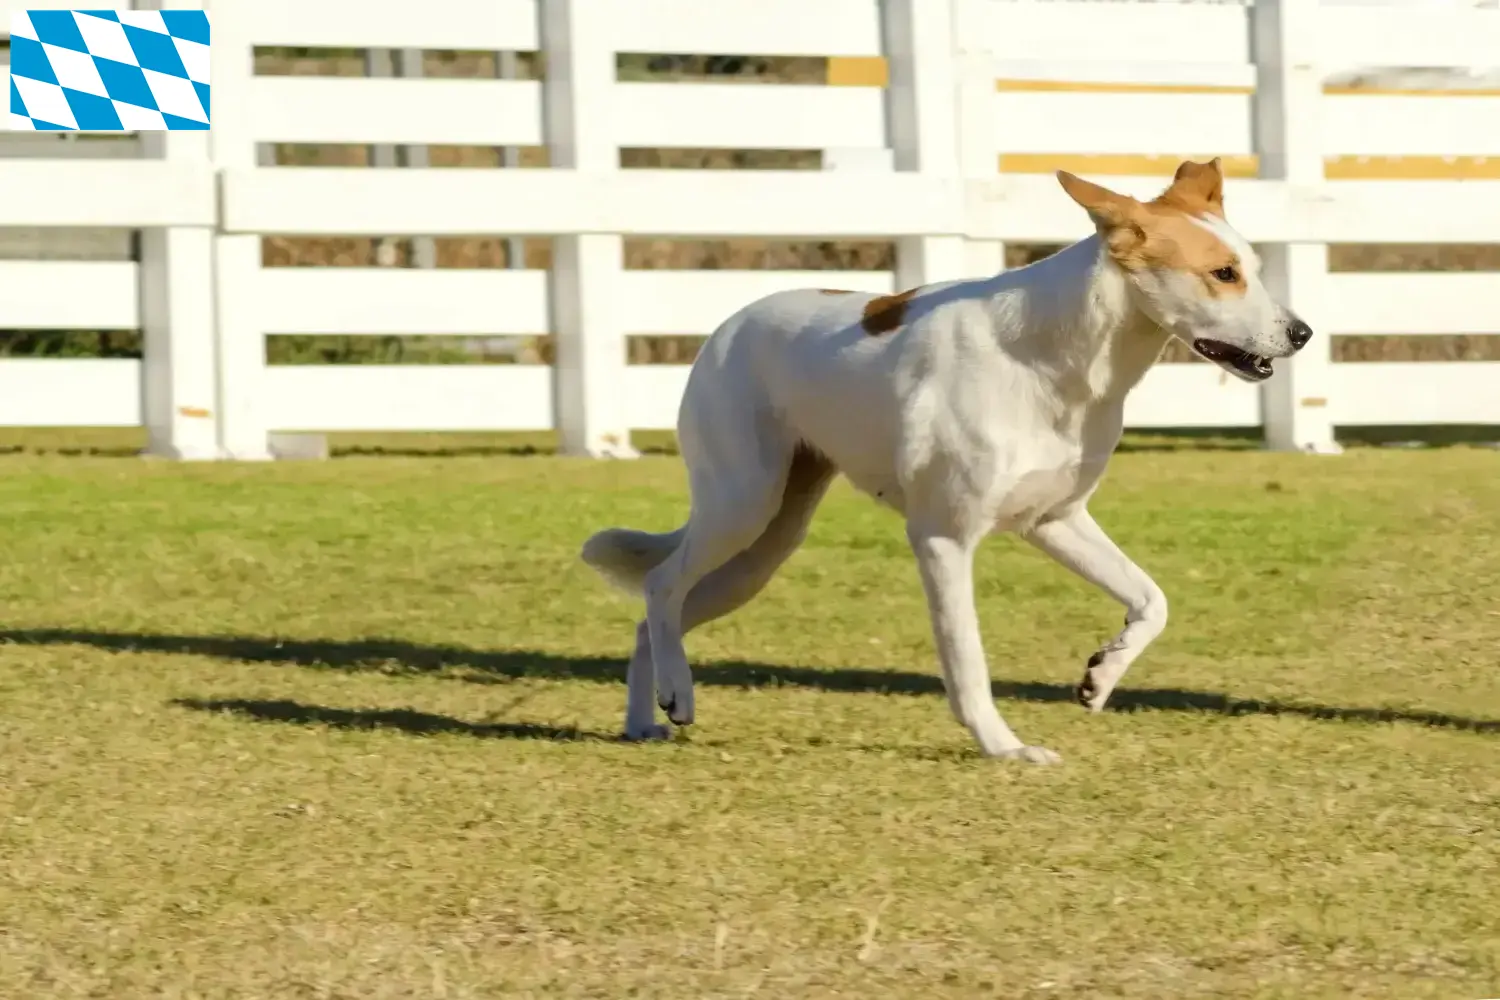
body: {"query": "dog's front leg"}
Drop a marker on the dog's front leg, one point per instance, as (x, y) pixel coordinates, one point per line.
(1077, 541)
(947, 569)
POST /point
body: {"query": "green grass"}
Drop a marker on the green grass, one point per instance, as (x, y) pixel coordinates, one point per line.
(347, 730)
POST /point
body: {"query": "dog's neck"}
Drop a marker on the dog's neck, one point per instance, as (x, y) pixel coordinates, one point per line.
(1072, 316)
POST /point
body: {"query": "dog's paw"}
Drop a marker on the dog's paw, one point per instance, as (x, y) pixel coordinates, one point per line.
(1099, 680)
(1087, 693)
(650, 732)
(679, 707)
(1031, 755)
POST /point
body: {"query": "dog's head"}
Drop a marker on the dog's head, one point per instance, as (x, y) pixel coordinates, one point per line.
(1191, 273)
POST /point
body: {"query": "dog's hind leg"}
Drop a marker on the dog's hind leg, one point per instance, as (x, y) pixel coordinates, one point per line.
(734, 583)
(1077, 541)
(946, 562)
(640, 691)
(737, 483)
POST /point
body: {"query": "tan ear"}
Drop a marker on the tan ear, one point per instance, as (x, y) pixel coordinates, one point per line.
(1116, 216)
(1109, 209)
(1199, 182)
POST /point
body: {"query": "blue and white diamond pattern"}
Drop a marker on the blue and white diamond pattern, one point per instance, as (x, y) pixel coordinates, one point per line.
(109, 71)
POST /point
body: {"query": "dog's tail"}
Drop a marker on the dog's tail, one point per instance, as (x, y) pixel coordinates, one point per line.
(623, 556)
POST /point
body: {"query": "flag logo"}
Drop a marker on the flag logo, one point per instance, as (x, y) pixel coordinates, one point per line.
(109, 71)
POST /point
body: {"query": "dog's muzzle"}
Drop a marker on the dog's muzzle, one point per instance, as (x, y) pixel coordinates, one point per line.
(1248, 366)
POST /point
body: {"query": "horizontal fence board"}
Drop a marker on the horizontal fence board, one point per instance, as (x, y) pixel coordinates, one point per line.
(1407, 35)
(1411, 125)
(716, 203)
(394, 110)
(1022, 208)
(69, 295)
(70, 392)
(394, 301)
(740, 116)
(106, 193)
(313, 201)
(746, 27)
(1092, 122)
(696, 302)
(1447, 302)
(454, 302)
(1408, 392)
(1075, 32)
(408, 397)
(498, 112)
(482, 25)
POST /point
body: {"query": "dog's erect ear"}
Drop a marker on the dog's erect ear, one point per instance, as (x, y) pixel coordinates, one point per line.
(1116, 216)
(1109, 209)
(1201, 183)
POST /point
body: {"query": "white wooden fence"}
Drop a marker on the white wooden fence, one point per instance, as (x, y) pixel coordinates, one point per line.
(946, 159)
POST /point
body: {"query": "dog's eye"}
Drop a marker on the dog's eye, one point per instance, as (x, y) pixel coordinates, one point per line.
(1226, 275)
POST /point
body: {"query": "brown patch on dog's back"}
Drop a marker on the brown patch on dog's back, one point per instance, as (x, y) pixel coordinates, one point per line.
(886, 313)
(834, 291)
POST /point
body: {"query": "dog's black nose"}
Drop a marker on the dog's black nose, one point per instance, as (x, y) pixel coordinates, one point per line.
(1299, 335)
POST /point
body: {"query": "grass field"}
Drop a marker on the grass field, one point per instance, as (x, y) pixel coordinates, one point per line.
(347, 730)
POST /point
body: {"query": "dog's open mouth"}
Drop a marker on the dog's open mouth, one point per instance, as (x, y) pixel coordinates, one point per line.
(1251, 367)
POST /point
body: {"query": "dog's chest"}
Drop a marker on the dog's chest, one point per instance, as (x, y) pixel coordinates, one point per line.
(1022, 500)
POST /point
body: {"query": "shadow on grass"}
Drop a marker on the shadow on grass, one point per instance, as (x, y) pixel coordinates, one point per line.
(404, 719)
(395, 656)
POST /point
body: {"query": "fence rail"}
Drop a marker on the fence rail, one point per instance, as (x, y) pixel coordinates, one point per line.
(943, 140)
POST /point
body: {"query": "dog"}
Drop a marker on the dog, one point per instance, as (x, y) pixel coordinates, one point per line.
(968, 407)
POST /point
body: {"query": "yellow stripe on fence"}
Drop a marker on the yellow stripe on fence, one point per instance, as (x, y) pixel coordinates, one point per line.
(858, 71)
(1411, 168)
(873, 71)
(1344, 90)
(1339, 168)
(1117, 164)
(1112, 87)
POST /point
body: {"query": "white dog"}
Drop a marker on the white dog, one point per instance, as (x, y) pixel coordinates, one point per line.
(967, 406)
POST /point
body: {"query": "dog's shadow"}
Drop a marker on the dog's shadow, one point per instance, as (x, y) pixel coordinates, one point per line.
(405, 720)
(500, 666)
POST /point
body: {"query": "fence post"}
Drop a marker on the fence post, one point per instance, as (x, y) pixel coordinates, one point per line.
(922, 123)
(177, 312)
(978, 150)
(589, 392)
(1295, 403)
(241, 341)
